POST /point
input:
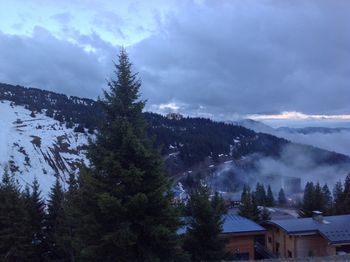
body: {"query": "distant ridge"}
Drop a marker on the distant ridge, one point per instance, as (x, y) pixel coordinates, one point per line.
(187, 144)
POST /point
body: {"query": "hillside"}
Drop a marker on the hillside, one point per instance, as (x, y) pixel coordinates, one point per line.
(45, 134)
(38, 145)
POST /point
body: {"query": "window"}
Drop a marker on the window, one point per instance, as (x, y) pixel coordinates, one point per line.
(277, 247)
(269, 239)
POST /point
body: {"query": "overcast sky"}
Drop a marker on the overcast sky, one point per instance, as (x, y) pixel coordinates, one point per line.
(217, 58)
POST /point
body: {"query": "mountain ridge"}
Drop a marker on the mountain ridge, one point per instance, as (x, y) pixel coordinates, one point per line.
(187, 144)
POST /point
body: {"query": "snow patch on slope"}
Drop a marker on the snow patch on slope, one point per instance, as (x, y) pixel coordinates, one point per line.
(38, 146)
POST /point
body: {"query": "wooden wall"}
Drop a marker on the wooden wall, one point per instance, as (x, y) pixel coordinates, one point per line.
(284, 245)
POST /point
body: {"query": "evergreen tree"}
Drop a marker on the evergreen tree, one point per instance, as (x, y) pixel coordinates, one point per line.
(347, 195)
(338, 194)
(260, 195)
(308, 204)
(65, 238)
(282, 200)
(248, 207)
(54, 222)
(79, 129)
(270, 200)
(49, 112)
(202, 240)
(327, 200)
(14, 242)
(34, 221)
(318, 199)
(255, 211)
(71, 219)
(124, 197)
(245, 206)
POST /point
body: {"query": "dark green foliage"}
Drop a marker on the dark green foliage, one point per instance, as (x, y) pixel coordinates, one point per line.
(315, 199)
(270, 200)
(318, 198)
(124, 199)
(347, 194)
(63, 108)
(54, 222)
(194, 138)
(282, 200)
(248, 207)
(14, 240)
(327, 200)
(59, 117)
(338, 194)
(35, 222)
(79, 129)
(49, 112)
(260, 195)
(69, 124)
(66, 234)
(308, 201)
(205, 220)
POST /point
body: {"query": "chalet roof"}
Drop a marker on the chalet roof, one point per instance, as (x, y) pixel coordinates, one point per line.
(336, 229)
(234, 224)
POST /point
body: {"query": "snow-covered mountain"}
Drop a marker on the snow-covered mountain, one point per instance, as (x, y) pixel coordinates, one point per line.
(45, 134)
(33, 144)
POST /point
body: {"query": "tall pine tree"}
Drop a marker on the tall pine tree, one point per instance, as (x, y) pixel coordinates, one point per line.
(338, 195)
(260, 195)
(124, 197)
(270, 200)
(347, 195)
(248, 207)
(35, 222)
(308, 200)
(68, 236)
(14, 239)
(327, 200)
(202, 240)
(319, 201)
(54, 223)
(282, 200)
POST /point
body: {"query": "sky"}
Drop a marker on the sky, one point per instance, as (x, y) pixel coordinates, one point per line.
(269, 60)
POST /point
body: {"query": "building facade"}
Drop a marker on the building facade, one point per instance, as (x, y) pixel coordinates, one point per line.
(241, 236)
(308, 237)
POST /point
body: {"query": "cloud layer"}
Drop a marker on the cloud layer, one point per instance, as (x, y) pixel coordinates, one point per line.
(212, 58)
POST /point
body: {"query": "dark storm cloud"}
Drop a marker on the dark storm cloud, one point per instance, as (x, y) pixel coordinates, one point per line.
(210, 58)
(44, 61)
(251, 57)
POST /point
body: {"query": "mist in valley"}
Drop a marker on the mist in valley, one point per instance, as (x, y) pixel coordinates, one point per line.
(293, 163)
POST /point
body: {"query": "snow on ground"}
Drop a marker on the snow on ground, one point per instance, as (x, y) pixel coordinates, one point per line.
(37, 146)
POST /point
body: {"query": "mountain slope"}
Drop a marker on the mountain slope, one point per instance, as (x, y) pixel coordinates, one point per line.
(38, 145)
(44, 134)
